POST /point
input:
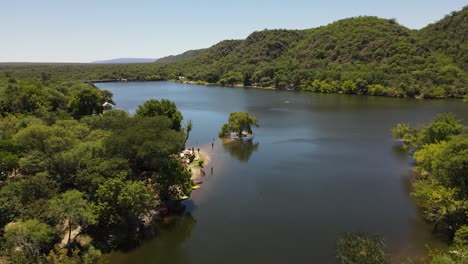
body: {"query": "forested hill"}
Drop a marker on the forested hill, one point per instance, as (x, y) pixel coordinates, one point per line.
(450, 36)
(360, 55)
(365, 55)
(185, 55)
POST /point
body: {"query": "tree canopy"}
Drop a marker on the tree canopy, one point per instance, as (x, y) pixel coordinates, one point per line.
(27, 240)
(152, 108)
(67, 167)
(441, 152)
(239, 123)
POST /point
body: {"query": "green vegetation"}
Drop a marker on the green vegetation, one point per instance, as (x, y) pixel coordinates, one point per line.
(28, 240)
(76, 181)
(162, 108)
(68, 167)
(447, 36)
(441, 187)
(240, 123)
(360, 248)
(360, 55)
(363, 55)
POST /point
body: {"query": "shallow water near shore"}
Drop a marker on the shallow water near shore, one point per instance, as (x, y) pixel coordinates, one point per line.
(318, 166)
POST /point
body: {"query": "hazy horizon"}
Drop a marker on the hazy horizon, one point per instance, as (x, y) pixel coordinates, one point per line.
(85, 31)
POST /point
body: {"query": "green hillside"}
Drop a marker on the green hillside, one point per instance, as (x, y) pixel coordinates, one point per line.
(173, 58)
(363, 55)
(360, 55)
(450, 37)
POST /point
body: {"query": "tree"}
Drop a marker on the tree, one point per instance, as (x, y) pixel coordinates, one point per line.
(34, 193)
(33, 162)
(239, 123)
(84, 254)
(86, 101)
(118, 200)
(349, 87)
(405, 133)
(441, 128)
(461, 236)
(9, 151)
(152, 108)
(173, 179)
(360, 248)
(33, 137)
(10, 203)
(27, 240)
(438, 202)
(145, 142)
(107, 96)
(188, 129)
(8, 162)
(72, 209)
(376, 89)
(95, 171)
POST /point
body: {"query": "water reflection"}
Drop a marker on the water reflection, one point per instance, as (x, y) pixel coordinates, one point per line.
(166, 247)
(240, 149)
(399, 152)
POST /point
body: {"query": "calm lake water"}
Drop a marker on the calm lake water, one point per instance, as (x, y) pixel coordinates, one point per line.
(319, 165)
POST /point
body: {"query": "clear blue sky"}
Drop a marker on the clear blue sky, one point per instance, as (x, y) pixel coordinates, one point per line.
(88, 30)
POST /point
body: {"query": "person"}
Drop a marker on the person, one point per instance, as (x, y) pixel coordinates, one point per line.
(212, 144)
(211, 171)
(198, 150)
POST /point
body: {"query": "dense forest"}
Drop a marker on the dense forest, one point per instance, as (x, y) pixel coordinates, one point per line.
(69, 167)
(361, 55)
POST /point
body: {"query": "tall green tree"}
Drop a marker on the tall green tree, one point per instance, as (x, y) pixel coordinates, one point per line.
(441, 128)
(28, 240)
(86, 101)
(118, 201)
(438, 202)
(239, 123)
(164, 107)
(173, 179)
(73, 210)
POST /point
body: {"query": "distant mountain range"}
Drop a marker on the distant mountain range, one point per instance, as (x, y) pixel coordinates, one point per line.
(170, 58)
(125, 61)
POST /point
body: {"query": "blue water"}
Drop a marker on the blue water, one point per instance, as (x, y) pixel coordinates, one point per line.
(319, 165)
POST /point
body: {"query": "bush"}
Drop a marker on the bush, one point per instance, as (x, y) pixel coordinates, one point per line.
(353, 248)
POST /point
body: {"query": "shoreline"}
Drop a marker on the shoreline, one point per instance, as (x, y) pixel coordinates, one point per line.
(272, 88)
(195, 168)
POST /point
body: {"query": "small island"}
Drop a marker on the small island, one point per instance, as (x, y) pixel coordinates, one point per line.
(239, 126)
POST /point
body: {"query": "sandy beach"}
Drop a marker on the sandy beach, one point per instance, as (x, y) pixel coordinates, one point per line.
(198, 171)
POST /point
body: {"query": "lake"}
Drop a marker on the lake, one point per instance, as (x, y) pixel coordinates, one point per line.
(319, 165)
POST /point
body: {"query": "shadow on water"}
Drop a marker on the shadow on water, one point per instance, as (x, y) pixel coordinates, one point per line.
(399, 152)
(242, 150)
(421, 232)
(166, 244)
